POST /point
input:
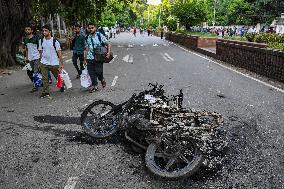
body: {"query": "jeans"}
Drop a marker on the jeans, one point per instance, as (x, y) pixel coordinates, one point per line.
(74, 60)
(96, 71)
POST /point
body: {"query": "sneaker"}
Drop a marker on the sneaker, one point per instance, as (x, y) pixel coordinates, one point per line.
(92, 89)
(44, 95)
(103, 82)
(34, 90)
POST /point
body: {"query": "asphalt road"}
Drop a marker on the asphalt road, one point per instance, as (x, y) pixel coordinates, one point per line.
(42, 144)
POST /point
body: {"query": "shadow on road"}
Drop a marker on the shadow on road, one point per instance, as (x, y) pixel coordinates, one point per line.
(72, 136)
(57, 119)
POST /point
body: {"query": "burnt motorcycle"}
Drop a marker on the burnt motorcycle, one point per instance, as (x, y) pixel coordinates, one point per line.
(177, 140)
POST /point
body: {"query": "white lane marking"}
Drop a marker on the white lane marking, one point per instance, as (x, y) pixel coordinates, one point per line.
(130, 46)
(71, 183)
(119, 46)
(114, 81)
(155, 45)
(126, 58)
(141, 45)
(166, 59)
(130, 60)
(231, 69)
(114, 56)
(169, 57)
(69, 60)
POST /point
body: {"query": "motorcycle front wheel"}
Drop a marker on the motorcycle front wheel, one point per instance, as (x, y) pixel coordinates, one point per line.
(177, 163)
(98, 121)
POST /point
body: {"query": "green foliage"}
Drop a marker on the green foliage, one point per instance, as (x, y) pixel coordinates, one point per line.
(247, 12)
(107, 19)
(237, 12)
(268, 38)
(276, 45)
(250, 36)
(171, 23)
(72, 11)
(190, 12)
(265, 38)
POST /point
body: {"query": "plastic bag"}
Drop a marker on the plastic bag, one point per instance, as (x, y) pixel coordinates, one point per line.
(37, 79)
(59, 83)
(85, 79)
(27, 67)
(67, 81)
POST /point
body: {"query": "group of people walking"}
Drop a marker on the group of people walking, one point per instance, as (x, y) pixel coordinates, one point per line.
(44, 54)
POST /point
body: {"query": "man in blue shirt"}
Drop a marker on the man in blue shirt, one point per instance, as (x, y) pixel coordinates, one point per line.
(78, 46)
(95, 68)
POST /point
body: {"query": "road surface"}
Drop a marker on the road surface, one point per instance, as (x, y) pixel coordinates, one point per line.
(42, 144)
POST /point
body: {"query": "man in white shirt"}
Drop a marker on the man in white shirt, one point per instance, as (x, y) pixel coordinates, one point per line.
(114, 32)
(252, 30)
(50, 59)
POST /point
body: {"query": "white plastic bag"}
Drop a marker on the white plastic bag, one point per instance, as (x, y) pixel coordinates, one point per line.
(85, 79)
(66, 79)
(27, 67)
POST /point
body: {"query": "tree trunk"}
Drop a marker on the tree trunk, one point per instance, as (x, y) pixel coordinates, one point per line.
(14, 15)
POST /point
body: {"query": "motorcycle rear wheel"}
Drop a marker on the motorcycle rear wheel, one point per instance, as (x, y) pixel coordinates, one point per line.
(179, 165)
(97, 122)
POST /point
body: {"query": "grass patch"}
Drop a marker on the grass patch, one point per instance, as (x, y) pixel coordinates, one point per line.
(237, 38)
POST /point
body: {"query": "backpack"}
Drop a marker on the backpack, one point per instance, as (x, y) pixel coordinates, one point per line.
(54, 41)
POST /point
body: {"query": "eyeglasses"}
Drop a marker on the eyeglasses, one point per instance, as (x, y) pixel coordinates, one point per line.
(91, 27)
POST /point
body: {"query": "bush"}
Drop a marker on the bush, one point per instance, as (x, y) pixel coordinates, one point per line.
(250, 37)
(265, 38)
(276, 45)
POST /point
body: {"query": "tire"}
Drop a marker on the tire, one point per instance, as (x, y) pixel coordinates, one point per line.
(96, 127)
(185, 169)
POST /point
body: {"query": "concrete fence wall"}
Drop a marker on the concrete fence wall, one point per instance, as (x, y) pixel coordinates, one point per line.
(254, 57)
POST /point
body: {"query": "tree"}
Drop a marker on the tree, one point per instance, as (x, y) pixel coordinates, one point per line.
(14, 16)
(238, 11)
(190, 12)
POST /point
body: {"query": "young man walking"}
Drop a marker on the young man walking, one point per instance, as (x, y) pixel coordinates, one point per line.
(32, 56)
(95, 68)
(78, 46)
(50, 59)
